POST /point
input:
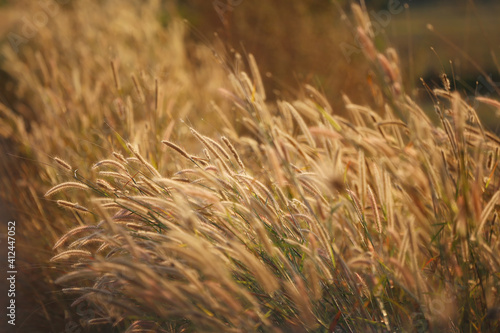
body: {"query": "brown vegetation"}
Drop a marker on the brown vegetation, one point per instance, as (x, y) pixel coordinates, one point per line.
(158, 187)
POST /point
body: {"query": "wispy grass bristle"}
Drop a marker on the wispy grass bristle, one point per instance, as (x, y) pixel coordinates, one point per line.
(176, 148)
(72, 205)
(105, 185)
(71, 253)
(66, 185)
(62, 163)
(110, 163)
(233, 151)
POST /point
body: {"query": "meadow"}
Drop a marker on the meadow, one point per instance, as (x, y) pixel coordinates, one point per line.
(307, 166)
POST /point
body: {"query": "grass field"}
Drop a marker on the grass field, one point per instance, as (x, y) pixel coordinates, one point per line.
(289, 173)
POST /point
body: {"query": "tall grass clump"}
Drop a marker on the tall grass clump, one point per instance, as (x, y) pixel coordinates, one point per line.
(285, 218)
(99, 74)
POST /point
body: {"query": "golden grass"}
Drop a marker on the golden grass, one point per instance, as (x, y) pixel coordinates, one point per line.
(309, 221)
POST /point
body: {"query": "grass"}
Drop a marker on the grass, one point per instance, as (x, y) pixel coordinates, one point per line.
(252, 213)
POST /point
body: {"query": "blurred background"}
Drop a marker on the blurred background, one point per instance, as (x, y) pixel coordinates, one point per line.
(306, 41)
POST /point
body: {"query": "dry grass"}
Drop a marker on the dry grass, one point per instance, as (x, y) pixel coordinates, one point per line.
(80, 94)
(283, 216)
